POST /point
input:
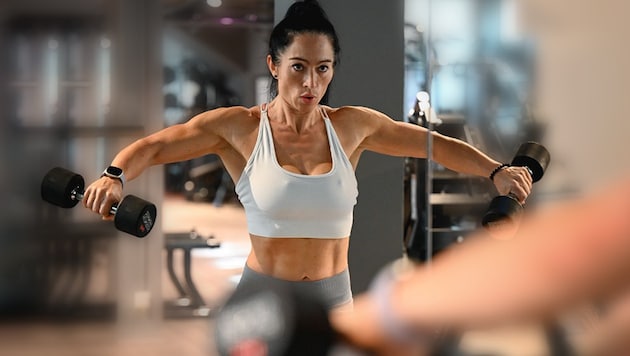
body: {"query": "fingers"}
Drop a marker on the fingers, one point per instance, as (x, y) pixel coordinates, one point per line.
(522, 184)
(100, 196)
(516, 181)
(96, 200)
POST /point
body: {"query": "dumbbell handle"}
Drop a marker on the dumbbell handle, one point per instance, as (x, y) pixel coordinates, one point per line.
(77, 195)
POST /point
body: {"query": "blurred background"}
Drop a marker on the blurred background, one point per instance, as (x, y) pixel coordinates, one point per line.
(80, 79)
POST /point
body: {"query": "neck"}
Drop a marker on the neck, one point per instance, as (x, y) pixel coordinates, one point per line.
(280, 112)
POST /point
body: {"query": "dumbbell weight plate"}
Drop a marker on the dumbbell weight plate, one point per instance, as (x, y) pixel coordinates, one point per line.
(274, 318)
(135, 216)
(534, 156)
(501, 207)
(58, 185)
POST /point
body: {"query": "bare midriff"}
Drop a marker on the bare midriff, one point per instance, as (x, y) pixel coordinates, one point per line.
(298, 259)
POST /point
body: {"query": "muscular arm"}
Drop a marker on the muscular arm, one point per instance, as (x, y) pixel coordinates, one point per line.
(396, 138)
(199, 136)
(206, 133)
(562, 256)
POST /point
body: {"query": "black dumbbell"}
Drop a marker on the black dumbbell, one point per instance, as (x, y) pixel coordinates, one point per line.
(64, 188)
(275, 318)
(504, 209)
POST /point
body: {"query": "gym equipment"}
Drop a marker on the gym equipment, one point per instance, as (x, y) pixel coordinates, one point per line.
(190, 302)
(506, 208)
(65, 188)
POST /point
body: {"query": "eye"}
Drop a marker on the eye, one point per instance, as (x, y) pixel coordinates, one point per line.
(297, 66)
(323, 68)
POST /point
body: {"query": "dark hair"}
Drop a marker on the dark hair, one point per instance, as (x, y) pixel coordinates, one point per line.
(305, 16)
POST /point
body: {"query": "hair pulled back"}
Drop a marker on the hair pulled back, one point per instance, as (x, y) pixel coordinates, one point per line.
(305, 16)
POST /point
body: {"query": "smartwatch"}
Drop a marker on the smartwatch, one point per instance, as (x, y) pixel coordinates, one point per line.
(114, 173)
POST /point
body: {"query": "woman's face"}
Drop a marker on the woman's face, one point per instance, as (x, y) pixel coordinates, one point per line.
(305, 70)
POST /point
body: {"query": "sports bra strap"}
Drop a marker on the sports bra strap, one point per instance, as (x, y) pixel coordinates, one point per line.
(324, 113)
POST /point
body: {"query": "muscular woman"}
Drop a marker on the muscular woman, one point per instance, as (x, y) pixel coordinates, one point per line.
(293, 160)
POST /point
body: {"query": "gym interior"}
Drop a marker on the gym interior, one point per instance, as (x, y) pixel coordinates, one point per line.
(84, 78)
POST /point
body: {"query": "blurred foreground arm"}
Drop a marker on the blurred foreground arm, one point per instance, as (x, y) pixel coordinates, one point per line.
(564, 254)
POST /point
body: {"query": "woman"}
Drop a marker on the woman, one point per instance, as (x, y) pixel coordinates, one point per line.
(293, 160)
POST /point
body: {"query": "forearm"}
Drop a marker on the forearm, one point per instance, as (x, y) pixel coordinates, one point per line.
(172, 144)
(460, 156)
(136, 158)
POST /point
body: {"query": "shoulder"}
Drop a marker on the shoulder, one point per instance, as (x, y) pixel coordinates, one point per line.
(227, 117)
(230, 113)
(354, 112)
(360, 116)
(357, 123)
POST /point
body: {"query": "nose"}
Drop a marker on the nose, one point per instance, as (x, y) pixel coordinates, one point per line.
(309, 79)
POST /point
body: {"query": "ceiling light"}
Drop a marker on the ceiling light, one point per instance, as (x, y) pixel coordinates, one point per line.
(214, 3)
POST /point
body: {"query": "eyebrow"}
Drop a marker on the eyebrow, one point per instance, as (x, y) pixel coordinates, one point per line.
(304, 60)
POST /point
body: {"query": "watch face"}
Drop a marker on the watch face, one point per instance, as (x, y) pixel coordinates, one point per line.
(115, 171)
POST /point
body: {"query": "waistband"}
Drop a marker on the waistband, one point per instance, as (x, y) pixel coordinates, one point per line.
(333, 291)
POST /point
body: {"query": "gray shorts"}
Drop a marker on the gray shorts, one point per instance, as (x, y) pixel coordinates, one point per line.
(332, 292)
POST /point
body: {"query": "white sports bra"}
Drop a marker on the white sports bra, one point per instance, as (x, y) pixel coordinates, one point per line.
(279, 203)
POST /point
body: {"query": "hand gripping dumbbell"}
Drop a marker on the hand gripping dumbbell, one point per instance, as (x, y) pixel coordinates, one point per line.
(64, 188)
(505, 208)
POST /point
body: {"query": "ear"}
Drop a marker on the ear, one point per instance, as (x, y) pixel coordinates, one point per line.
(273, 69)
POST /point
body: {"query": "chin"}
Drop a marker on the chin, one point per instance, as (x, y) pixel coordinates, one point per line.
(308, 102)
